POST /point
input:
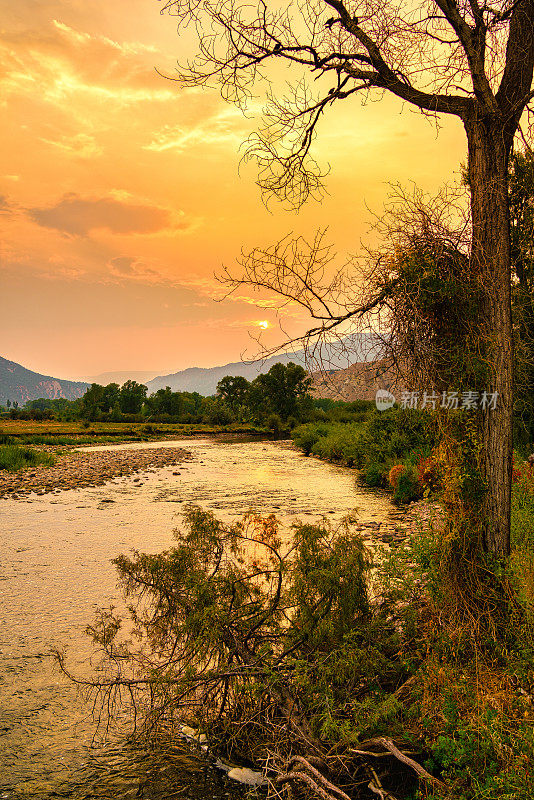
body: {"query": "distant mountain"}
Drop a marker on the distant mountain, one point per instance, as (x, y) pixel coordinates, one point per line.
(205, 380)
(19, 384)
(360, 381)
(121, 377)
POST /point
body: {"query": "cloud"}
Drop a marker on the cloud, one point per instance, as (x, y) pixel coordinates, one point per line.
(224, 128)
(58, 61)
(78, 216)
(80, 144)
(129, 268)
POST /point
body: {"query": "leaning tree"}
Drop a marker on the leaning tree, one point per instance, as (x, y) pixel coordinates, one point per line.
(469, 58)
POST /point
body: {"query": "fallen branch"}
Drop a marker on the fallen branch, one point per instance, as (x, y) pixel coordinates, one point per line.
(297, 775)
(376, 787)
(315, 772)
(398, 754)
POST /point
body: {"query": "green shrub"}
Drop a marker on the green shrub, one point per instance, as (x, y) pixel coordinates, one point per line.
(373, 475)
(274, 424)
(306, 436)
(14, 457)
(408, 488)
(374, 445)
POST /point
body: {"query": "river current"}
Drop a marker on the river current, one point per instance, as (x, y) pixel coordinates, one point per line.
(55, 570)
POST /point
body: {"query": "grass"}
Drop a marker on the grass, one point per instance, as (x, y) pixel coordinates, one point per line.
(54, 432)
(14, 457)
(522, 531)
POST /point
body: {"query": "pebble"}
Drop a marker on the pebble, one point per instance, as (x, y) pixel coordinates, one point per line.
(79, 469)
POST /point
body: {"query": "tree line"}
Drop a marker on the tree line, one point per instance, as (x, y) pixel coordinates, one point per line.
(274, 399)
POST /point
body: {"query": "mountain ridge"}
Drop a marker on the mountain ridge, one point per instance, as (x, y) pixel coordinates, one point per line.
(19, 385)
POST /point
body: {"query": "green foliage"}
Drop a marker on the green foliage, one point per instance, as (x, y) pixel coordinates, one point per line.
(275, 425)
(408, 488)
(215, 411)
(285, 622)
(235, 392)
(522, 532)
(373, 475)
(374, 445)
(14, 457)
(275, 648)
(521, 197)
(283, 391)
(306, 436)
(131, 398)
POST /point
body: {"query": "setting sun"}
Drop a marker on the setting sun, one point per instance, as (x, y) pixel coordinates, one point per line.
(263, 324)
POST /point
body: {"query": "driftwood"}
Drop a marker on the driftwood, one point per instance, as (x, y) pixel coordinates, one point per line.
(376, 787)
(398, 754)
(300, 769)
(316, 781)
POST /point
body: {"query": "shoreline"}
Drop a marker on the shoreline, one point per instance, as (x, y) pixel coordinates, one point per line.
(82, 469)
(79, 469)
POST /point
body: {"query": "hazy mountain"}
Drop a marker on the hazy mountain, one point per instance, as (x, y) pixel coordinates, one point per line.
(360, 381)
(19, 384)
(205, 380)
(140, 376)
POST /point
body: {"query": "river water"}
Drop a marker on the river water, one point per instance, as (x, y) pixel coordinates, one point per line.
(55, 570)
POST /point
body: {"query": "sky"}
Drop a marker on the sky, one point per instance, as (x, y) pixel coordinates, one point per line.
(121, 194)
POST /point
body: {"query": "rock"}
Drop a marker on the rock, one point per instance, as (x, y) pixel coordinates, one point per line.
(248, 776)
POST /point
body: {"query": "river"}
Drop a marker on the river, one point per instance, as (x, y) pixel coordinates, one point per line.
(55, 569)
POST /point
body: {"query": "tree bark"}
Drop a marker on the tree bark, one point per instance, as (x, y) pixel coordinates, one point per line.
(489, 149)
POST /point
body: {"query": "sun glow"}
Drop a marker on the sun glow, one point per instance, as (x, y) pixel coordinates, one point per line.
(263, 324)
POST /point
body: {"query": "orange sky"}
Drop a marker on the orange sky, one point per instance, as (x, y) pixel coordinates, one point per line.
(120, 194)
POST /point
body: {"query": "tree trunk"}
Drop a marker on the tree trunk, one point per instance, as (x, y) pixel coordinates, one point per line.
(488, 178)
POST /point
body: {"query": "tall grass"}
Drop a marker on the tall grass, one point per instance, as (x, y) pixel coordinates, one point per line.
(14, 457)
(522, 531)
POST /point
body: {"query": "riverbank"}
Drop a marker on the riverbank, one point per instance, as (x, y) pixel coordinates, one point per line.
(79, 469)
(56, 432)
(76, 469)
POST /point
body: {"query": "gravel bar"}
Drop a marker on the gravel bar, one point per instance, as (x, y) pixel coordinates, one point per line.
(75, 470)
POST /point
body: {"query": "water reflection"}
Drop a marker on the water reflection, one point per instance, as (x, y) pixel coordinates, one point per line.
(55, 553)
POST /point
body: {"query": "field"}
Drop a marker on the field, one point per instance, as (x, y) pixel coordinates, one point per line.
(63, 433)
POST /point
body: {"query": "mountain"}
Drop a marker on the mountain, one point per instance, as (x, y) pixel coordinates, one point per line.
(205, 380)
(140, 376)
(19, 384)
(358, 382)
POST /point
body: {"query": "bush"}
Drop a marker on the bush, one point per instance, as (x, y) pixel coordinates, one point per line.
(377, 444)
(274, 424)
(394, 475)
(428, 474)
(278, 653)
(14, 457)
(373, 475)
(306, 436)
(408, 488)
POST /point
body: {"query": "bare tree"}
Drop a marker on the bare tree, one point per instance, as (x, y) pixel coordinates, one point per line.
(468, 58)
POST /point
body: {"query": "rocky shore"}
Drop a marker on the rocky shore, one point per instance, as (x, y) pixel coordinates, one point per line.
(76, 469)
(403, 522)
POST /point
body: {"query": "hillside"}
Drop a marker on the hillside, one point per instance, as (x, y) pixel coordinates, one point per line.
(120, 377)
(205, 380)
(19, 385)
(358, 382)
